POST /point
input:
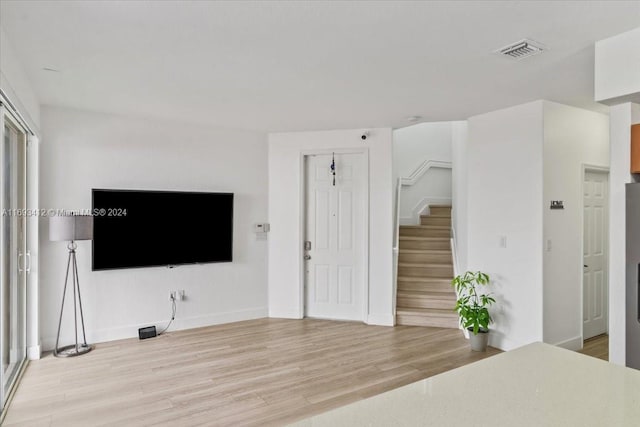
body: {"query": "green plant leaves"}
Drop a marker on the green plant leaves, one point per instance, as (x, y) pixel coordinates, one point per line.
(472, 306)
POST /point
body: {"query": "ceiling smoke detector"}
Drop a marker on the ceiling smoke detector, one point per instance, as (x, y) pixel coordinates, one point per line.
(521, 49)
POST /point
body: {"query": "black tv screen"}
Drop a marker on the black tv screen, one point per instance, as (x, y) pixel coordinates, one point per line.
(134, 228)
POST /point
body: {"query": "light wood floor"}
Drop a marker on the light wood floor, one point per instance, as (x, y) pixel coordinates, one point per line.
(258, 372)
(597, 347)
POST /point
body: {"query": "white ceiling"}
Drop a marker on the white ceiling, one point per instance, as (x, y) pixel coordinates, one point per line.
(280, 66)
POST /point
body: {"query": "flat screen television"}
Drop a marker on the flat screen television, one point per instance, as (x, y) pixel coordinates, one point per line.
(137, 228)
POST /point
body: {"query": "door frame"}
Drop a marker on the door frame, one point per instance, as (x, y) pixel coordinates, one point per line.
(583, 173)
(6, 114)
(364, 152)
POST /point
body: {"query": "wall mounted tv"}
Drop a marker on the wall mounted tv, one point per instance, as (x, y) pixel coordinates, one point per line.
(135, 228)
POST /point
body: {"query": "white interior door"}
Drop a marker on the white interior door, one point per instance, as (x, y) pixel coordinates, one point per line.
(335, 237)
(595, 282)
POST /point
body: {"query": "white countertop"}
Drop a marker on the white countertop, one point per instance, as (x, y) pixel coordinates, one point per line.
(535, 385)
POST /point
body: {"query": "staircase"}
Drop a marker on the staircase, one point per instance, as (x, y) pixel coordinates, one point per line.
(425, 269)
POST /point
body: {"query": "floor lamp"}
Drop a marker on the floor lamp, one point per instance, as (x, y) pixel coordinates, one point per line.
(70, 229)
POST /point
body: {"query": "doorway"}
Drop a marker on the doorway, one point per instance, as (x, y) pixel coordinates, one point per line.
(595, 292)
(14, 258)
(335, 236)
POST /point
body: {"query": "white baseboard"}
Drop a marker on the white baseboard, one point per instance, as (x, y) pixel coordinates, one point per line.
(285, 314)
(131, 331)
(574, 344)
(498, 340)
(381, 319)
(34, 352)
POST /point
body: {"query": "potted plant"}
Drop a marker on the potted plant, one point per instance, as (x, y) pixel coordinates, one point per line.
(472, 306)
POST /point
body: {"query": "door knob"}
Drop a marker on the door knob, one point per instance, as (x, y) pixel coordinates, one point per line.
(585, 266)
(307, 257)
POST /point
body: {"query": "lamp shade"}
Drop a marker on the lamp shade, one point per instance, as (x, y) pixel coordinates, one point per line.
(71, 227)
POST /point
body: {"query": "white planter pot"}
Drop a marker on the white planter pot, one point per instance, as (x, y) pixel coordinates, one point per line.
(479, 342)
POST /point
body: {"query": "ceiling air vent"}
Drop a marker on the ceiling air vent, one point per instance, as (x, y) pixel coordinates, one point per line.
(522, 49)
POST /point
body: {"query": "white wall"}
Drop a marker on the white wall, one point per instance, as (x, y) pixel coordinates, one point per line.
(18, 89)
(459, 192)
(424, 141)
(15, 84)
(573, 138)
(433, 188)
(621, 118)
(504, 160)
(90, 150)
(412, 146)
(617, 68)
(285, 216)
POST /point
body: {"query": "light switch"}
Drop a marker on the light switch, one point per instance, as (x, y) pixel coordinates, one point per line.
(503, 241)
(548, 245)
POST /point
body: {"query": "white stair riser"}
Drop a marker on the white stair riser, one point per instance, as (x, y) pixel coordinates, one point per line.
(426, 302)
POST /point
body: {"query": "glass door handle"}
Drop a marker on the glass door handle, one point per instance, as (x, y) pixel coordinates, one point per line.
(28, 266)
(26, 257)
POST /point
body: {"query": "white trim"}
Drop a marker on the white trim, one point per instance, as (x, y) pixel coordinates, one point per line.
(456, 272)
(396, 237)
(285, 314)
(131, 331)
(454, 252)
(34, 352)
(421, 207)
(33, 292)
(381, 319)
(2, 257)
(6, 101)
(422, 169)
(573, 344)
(364, 152)
(396, 246)
(10, 117)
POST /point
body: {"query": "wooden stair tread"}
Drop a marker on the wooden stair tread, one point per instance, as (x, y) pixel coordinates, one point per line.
(435, 216)
(423, 279)
(427, 251)
(425, 227)
(440, 206)
(437, 294)
(420, 264)
(428, 294)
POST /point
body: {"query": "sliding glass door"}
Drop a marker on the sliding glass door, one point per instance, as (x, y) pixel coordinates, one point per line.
(14, 259)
